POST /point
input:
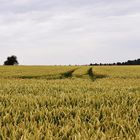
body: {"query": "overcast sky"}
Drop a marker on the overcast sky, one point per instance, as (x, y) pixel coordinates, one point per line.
(41, 32)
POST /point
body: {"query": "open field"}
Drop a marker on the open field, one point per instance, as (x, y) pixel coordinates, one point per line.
(70, 103)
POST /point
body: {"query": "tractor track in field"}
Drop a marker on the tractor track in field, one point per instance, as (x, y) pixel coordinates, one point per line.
(90, 74)
(68, 74)
(65, 75)
(94, 76)
(86, 75)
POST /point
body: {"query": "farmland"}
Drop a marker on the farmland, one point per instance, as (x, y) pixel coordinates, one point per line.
(70, 102)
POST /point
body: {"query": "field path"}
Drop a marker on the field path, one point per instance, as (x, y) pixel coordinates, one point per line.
(91, 74)
(85, 72)
(69, 73)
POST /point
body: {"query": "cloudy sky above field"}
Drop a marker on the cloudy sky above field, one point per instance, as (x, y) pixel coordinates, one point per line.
(69, 31)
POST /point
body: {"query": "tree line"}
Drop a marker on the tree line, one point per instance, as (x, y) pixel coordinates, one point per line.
(129, 62)
(12, 60)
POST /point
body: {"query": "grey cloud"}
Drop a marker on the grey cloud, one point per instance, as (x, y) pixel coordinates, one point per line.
(72, 31)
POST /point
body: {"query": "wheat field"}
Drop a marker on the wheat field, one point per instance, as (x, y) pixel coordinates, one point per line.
(69, 103)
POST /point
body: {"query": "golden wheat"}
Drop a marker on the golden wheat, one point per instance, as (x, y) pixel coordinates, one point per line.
(48, 103)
